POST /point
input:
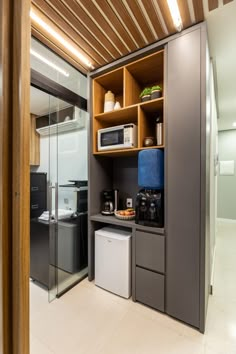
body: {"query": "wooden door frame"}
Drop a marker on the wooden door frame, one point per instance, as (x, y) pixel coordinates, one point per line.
(14, 175)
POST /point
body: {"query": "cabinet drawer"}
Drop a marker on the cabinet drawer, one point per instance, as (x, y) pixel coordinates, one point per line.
(37, 204)
(150, 288)
(150, 251)
(38, 182)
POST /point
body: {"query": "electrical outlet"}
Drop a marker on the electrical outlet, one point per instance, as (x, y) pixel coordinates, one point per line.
(129, 202)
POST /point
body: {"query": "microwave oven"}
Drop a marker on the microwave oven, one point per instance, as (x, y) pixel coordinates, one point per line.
(118, 137)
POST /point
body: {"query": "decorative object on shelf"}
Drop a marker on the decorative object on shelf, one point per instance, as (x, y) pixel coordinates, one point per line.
(127, 214)
(149, 141)
(159, 131)
(109, 101)
(145, 95)
(155, 92)
(117, 105)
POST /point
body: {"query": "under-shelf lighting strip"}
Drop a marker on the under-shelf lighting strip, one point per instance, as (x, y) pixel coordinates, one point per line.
(60, 39)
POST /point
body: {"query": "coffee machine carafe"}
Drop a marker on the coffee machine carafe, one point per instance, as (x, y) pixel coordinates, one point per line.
(109, 201)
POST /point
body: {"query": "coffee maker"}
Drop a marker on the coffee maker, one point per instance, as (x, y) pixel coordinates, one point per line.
(109, 201)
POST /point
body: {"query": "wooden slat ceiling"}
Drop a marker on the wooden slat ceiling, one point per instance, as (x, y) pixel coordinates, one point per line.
(105, 30)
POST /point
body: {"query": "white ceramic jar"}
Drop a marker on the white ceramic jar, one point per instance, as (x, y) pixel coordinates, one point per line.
(109, 101)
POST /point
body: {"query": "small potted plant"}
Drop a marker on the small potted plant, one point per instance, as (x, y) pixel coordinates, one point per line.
(155, 92)
(145, 95)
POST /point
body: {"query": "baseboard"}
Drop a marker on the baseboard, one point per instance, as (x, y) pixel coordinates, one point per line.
(230, 221)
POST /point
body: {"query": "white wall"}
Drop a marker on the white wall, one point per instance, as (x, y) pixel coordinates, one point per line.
(227, 184)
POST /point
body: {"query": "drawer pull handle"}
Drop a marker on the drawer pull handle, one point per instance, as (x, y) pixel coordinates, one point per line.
(34, 206)
(34, 189)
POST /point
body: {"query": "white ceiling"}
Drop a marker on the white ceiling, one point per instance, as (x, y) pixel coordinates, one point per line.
(222, 40)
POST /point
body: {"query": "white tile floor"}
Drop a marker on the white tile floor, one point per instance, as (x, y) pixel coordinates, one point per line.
(89, 320)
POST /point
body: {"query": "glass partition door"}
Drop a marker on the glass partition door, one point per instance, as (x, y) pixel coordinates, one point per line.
(68, 197)
(61, 259)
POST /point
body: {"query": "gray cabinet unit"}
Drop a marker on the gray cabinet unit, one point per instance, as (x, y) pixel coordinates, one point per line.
(170, 267)
(185, 176)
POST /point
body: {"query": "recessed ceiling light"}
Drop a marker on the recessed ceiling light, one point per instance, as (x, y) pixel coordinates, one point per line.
(234, 124)
(174, 11)
(60, 39)
(48, 62)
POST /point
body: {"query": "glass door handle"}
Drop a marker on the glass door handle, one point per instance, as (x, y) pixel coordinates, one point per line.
(55, 216)
(56, 202)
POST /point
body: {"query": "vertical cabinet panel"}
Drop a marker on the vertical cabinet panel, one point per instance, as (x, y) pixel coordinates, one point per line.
(183, 178)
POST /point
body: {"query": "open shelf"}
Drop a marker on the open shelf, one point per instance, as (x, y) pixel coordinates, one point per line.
(125, 115)
(126, 152)
(112, 81)
(126, 83)
(112, 220)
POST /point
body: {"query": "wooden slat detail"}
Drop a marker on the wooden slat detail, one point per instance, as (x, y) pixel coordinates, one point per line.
(212, 4)
(57, 50)
(59, 25)
(164, 8)
(138, 14)
(92, 9)
(5, 180)
(105, 8)
(125, 16)
(83, 17)
(198, 10)
(72, 26)
(20, 175)
(184, 13)
(153, 16)
(226, 1)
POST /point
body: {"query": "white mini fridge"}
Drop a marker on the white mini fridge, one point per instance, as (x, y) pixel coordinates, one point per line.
(113, 260)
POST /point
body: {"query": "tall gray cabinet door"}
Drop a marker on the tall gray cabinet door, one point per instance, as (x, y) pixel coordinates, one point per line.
(183, 112)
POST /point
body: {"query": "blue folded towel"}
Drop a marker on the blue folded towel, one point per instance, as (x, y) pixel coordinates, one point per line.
(151, 169)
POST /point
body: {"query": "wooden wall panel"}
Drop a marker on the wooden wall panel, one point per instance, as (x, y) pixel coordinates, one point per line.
(20, 175)
(5, 182)
(14, 176)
